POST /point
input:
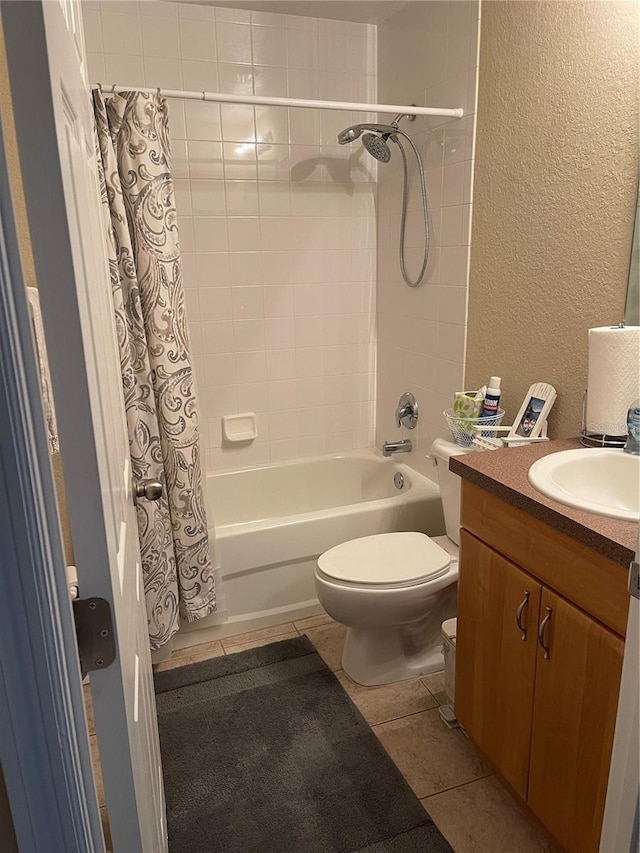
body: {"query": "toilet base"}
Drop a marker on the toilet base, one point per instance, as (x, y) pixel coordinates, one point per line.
(377, 656)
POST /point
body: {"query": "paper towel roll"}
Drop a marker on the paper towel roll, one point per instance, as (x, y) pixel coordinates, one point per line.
(614, 378)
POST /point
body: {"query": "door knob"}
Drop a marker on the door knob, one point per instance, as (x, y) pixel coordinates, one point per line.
(149, 489)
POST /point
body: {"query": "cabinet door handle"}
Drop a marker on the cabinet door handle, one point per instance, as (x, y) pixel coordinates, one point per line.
(543, 625)
(519, 613)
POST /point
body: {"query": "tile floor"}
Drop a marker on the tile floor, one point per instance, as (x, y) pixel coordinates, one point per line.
(470, 807)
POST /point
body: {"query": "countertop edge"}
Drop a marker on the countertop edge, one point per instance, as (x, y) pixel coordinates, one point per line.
(554, 517)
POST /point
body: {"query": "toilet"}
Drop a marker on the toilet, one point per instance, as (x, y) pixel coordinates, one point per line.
(393, 591)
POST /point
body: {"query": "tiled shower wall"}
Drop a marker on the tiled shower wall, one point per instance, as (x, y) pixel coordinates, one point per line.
(427, 55)
(277, 222)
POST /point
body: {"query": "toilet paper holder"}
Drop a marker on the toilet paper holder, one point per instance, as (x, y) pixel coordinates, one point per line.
(595, 439)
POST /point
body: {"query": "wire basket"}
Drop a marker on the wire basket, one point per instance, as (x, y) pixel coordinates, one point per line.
(463, 430)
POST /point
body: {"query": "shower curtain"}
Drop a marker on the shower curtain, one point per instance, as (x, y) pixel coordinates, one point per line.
(136, 186)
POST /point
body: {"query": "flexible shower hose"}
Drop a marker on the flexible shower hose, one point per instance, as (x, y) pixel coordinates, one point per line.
(425, 209)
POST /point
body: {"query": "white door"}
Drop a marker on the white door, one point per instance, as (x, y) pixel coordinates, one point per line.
(55, 136)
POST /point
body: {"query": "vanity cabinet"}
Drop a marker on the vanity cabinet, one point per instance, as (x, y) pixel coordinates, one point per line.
(537, 673)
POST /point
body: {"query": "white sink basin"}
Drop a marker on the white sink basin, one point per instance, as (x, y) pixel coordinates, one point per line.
(598, 480)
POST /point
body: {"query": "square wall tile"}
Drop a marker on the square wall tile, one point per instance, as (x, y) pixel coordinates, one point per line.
(281, 364)
(269, 46)
(238, 123)
(203, 121)
(208, 198)
(235, 79)
(248, 335)
(121, 33)
(217, 336)
(204, 159)
(302, 50)
(244, 233)
(166, 73)
(233, 42)
(247, 303)
(210, 234)
(215, 303)
(197, 40)
(131, 69)
(200, 75)
(251, 367)
(213, 269)
(280, 333)
(160, 37)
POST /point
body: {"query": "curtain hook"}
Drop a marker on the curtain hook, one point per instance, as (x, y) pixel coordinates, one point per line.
(158, 92)
(100, 88)
(113, 89)
(204, 96)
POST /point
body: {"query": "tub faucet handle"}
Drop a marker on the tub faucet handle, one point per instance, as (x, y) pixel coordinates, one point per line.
(407, 411)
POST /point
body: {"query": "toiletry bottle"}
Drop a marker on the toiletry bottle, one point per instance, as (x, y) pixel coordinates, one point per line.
(492, 398)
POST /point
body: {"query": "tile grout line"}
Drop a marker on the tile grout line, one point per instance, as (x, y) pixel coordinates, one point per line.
(405, 716)
(455, 787)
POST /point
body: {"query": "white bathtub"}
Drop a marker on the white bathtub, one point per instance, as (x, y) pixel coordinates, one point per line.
(272, 523)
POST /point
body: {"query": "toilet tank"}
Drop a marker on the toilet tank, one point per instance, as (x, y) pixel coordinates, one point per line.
(449, 483)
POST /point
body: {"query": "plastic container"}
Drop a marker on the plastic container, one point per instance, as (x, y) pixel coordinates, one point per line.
(462, 429)
(449, 630)
(492, 398)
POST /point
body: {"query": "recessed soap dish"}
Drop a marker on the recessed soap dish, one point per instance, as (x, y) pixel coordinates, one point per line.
(240, 427)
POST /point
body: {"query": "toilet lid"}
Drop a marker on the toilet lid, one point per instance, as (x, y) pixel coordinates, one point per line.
(387, 558)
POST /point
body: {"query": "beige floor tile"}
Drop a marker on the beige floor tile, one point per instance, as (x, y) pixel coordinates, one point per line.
(430, 756)
(313, 621)
(97, 769)
(260, 634)
(483, 816)
(435, 685)
(203, 651)
(379, 704)
(329, 641)
(88, 707)
(191, 654)
(254, 644)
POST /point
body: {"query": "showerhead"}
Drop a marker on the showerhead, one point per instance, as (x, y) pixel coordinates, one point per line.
(377, 147)
(374, 144)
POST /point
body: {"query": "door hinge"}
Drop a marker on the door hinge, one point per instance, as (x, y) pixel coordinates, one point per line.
(634, 579)
(94, 632)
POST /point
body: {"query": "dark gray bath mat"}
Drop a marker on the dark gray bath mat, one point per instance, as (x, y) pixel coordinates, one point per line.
(264, 752)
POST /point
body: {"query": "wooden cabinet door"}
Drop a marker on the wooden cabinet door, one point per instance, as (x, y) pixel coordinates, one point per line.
(495, 667)
(574, 718)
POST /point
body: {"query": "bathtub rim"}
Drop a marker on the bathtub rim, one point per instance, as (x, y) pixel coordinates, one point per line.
(420, 485)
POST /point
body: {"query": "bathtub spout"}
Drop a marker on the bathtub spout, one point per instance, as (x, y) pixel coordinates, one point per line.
(403, 446)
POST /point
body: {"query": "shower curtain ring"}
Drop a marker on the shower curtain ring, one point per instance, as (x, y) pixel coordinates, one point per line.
(204, 96)
(113, 89)
(100, 88)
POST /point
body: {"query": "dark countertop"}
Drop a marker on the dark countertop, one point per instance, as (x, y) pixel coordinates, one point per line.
(503, 473)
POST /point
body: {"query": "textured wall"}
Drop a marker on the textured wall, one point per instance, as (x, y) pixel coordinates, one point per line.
(554, 193)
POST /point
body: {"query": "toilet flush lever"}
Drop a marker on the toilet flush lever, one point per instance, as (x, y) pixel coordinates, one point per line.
(149, 489)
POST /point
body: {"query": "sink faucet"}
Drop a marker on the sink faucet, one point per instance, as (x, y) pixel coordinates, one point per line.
(633, 425)
(402, 446)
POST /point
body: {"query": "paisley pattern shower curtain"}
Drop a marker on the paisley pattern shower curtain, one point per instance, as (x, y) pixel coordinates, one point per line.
(140, 219)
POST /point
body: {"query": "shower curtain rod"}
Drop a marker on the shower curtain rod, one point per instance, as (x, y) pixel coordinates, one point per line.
(304, 103)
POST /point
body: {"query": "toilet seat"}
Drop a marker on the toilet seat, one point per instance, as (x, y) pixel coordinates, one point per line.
(385, 561)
